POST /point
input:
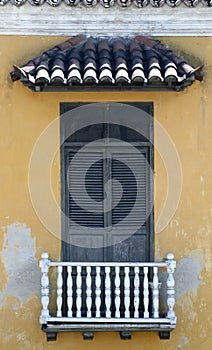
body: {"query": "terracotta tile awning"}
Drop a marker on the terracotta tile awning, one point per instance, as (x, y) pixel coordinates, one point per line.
(82, 63)
(110, 3)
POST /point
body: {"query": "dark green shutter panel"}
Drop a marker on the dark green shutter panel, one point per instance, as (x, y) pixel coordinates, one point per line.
(85, 207)
(131, 172)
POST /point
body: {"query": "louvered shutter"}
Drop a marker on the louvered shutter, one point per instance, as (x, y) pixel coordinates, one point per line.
(127, 200)
(131, 172)
(82, 204)
(85, 204)
(130, 217)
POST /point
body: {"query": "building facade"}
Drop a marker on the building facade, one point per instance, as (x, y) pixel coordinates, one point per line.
(31, 159)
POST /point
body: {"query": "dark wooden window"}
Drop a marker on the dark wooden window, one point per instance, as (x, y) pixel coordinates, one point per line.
(94, 228)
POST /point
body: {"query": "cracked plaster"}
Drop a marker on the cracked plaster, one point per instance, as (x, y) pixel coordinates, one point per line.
(18, 257)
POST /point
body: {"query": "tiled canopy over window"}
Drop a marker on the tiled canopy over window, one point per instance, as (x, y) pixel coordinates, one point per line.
(110, 3)
(107, 63)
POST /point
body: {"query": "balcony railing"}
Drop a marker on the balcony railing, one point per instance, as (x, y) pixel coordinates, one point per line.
(124, 297)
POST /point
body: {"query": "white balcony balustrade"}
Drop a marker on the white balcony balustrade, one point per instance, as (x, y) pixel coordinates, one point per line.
(122, 297)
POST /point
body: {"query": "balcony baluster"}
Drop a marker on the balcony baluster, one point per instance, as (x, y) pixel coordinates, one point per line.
(117, 294)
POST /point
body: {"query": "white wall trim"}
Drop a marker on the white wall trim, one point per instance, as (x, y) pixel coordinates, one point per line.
(99, 21)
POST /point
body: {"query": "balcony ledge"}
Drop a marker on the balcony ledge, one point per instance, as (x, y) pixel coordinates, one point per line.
(162, 326)
(108, 297)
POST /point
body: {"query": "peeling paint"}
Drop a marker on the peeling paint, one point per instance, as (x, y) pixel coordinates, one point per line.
(184, 342)
(186, 276)
(187, 273)
(18, 257)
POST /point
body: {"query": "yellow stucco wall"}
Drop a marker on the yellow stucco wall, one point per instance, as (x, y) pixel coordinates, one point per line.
(186, 116)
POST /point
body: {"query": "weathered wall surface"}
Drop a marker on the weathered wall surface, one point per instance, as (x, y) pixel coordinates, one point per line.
(96, 20)
(24, 115)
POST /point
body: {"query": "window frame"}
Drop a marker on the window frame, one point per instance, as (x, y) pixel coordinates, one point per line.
(148, 107)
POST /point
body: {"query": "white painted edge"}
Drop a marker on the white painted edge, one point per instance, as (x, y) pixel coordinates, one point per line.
(99, 21)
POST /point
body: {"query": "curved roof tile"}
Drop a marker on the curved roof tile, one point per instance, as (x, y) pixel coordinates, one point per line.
(79, 62)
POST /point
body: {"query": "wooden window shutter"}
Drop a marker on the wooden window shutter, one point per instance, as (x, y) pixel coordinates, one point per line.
(134, 188)
(86, 213)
